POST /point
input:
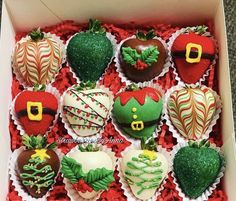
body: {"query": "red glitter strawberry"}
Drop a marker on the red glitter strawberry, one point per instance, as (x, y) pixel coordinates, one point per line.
(36, 111)
(193, 54)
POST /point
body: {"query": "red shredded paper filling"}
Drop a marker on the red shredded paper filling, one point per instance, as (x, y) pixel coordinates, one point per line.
(111, 80)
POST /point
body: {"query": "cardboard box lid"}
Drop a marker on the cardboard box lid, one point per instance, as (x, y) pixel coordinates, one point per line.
(28, 14)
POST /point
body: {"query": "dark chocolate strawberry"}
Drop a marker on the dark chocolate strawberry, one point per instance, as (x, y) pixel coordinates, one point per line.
(193, 54)
(142, 58)
(37, 165)
(36, 111)
(196, 168)
(137, 111)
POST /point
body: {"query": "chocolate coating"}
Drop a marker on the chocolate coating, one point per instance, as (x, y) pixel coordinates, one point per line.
(24, 158)
(150, 72)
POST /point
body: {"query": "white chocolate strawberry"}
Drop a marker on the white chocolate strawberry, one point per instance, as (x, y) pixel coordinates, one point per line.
(191, 111)
(86, 110)
(38, 58)
(144, 171)
(90, 171)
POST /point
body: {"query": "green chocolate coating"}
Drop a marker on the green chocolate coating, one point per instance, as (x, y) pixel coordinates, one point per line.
(89, 54)
(150, 111)
(196, 169)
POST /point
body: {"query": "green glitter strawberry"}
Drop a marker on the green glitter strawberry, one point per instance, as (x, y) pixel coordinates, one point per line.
(90, 52)
(137, 110)
(196, 167)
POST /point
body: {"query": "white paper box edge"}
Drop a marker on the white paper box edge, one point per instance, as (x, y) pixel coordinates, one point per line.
(27, 14)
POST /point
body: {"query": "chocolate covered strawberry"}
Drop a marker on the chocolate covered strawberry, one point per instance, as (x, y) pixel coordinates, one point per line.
(196, 167)
(142, 58)
(90, 52)
(144, 170)
(86, 108)
(191, 111)
(38, 58)
(193, 54)
(36, 111)
(89, 170)
(137, 110)
(37, 165)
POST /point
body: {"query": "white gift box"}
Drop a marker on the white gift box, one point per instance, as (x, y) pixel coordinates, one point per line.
(23, 15)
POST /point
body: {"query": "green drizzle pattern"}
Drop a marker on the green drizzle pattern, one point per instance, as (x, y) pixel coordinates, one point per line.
(34, 179)
(141, 167)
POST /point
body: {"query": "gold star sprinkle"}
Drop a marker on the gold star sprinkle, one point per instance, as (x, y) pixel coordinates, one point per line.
(41, 153)
(151, 155)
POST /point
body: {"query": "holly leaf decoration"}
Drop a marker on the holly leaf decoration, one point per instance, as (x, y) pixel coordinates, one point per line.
(147, 56)
(150, 55)
(71, 169)
(130, 55)
(99, 178)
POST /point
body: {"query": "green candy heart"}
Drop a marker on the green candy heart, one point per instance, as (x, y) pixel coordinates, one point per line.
(148, 112)
(196, 168)
(89, 54)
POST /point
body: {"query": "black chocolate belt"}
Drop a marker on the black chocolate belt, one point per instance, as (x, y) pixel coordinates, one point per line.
(193, 55)
(34, 111)
(146, 124)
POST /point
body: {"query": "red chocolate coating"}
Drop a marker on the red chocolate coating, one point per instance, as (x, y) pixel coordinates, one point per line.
(24, 158)
(139, 95)
(191, 72)
(150, 72)
(48, 101)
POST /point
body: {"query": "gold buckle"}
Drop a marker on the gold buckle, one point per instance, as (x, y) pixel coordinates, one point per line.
(189, 46)
(137, 125)
(35, 117)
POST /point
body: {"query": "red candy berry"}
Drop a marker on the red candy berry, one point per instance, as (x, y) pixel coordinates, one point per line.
(140, 65)
(82, 186)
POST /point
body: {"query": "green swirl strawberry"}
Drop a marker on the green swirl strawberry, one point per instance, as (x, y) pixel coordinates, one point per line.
(137, 111)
